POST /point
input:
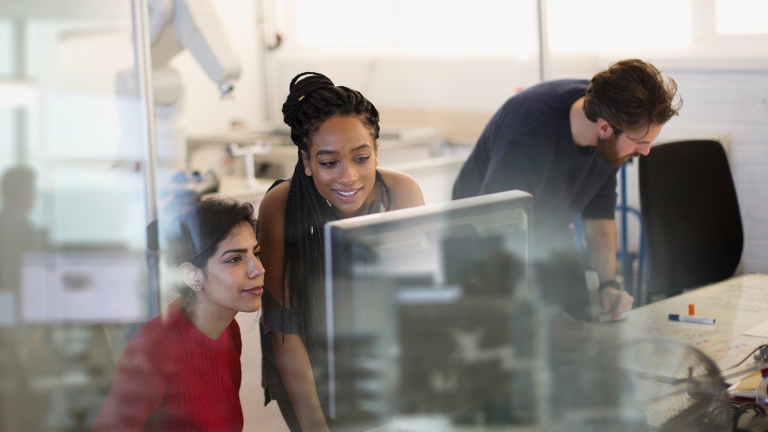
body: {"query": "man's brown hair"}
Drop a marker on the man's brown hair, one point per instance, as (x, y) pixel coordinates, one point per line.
(631, 95)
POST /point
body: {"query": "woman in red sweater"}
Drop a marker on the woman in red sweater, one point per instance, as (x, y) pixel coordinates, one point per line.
(181, 371)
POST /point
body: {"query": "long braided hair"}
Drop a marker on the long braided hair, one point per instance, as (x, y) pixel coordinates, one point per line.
(312, 100)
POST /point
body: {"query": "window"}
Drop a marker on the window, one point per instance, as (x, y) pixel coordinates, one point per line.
(416, 27)
(608, 25)
(345, 22)
(468, 27)
(681, 29)
(741, 16)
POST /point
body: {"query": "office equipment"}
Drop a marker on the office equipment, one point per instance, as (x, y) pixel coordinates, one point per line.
(248, 151)
(396, 145)
(82, 287)
(762, 389)
(691, 319)
(650, 384)
(427, 312)
(747, 387)
(691, 216)
(738, 303)
(185, 189)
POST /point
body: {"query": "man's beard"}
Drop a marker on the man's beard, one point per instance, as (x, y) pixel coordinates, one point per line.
(606, 148)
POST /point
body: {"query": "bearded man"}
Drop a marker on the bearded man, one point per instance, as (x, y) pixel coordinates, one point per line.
(563, 141)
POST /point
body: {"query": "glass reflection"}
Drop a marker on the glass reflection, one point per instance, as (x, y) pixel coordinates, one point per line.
(72, 263)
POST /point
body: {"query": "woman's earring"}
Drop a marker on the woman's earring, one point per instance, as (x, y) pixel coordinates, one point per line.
(197, 287)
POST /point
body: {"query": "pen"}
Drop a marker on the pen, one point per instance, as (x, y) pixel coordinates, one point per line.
(693, 319)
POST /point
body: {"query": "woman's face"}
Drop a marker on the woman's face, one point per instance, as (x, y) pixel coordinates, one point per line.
(234, 276)
(342, 163)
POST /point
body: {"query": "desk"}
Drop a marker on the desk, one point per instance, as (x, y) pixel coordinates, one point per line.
(737, 304)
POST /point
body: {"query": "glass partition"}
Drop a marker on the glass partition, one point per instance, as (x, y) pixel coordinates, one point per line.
(73, 267)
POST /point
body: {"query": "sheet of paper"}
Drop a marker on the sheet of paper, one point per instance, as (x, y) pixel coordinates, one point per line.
(760, 330)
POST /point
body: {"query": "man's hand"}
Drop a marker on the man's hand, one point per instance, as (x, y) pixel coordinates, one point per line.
(615, 302)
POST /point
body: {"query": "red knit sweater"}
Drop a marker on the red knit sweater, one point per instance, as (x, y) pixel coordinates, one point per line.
(172, 377)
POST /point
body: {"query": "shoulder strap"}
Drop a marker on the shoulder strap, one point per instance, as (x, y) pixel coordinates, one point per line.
(277, 182)
(386, 192)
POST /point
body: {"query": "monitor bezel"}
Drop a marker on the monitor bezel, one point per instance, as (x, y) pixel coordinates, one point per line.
(334, 236)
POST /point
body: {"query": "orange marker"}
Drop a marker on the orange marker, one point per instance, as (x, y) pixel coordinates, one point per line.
(691, 310)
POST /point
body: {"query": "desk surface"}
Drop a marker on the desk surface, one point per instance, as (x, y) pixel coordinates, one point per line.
(737, 304)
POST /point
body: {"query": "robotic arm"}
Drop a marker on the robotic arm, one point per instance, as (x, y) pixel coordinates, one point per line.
(176, 25)
(192, 24)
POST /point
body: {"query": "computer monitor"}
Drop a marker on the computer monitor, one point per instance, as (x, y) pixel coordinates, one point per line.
(420, 312)
(83, 287)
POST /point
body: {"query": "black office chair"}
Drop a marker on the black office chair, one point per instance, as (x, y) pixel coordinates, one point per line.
(691, 216)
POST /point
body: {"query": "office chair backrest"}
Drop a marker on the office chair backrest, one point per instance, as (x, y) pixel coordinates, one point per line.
(691, 215)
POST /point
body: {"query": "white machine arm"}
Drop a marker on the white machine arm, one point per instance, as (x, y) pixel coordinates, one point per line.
(193, 24)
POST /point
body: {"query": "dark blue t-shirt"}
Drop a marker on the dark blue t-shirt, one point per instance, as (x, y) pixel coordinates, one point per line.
(527, 145)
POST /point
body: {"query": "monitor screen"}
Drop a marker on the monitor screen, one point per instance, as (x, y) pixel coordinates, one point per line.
(83, 287)
(421, 317)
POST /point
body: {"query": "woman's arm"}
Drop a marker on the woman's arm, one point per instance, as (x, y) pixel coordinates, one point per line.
(270, 237)
(406, 192)
(296, 371)
(290, 352)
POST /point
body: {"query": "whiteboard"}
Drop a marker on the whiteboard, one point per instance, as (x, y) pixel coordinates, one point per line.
(737, 305)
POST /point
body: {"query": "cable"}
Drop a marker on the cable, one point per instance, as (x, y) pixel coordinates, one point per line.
(743, 409)
(764, 356)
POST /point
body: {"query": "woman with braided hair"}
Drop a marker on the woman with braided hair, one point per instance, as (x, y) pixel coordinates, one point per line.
(335, 129)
